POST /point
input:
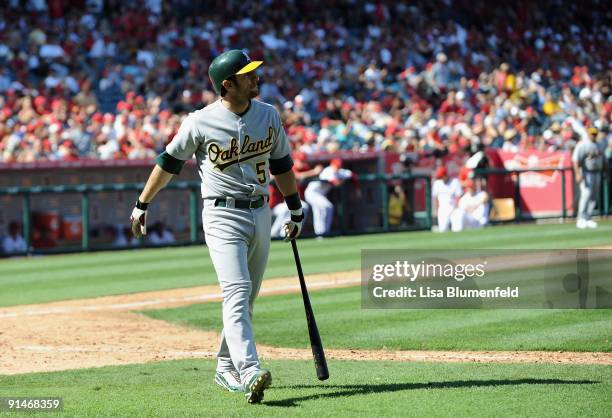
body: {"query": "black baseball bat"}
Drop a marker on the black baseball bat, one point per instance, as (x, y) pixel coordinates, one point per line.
(313, 332)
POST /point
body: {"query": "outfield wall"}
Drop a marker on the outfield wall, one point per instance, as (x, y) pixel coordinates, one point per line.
(57, 220)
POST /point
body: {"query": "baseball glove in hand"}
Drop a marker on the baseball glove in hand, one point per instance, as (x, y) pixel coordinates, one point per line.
(139, 220)
(293, 227)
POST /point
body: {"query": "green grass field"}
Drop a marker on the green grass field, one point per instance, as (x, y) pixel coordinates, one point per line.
(49, 278)
(279, 321)
(364, 389)
(373, 388)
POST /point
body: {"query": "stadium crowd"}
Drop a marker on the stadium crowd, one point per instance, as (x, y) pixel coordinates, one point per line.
(110, 79)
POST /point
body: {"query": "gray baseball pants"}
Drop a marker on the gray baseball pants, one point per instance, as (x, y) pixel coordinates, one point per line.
(589, 194)
(239, 242)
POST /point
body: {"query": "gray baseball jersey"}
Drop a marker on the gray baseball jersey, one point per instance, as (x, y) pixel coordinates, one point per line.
(588, 155)
(232, 151)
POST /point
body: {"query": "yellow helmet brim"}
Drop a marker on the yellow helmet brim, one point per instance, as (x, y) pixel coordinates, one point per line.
(250, 67)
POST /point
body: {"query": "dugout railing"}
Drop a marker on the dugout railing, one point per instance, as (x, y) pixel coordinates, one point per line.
(565, 207)
(360, 208)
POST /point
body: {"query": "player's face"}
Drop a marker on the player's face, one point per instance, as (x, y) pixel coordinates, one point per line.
(247, 84)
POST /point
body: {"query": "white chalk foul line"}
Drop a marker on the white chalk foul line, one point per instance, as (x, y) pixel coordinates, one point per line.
(168, 301)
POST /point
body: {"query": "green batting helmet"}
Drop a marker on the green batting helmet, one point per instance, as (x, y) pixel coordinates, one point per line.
(228, 64)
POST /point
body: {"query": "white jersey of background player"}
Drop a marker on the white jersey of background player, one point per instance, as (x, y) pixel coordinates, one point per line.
(472, 210)
(445, 192)
(316, 191)
(302, 171)
(237, 142)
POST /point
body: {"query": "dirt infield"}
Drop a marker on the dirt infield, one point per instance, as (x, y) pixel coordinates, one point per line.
(104, 331)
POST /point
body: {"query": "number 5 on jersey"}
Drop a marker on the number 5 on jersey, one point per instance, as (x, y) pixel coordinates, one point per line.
(260, 168)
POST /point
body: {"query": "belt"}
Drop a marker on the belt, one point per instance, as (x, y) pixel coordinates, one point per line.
(230, 202)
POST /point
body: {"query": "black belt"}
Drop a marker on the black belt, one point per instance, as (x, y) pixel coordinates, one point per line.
(240, 203)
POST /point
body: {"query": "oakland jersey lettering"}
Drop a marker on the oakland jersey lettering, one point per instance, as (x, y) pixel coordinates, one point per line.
(232, 151)
(225, 157)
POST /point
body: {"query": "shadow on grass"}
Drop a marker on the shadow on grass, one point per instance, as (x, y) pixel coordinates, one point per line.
(352, 390)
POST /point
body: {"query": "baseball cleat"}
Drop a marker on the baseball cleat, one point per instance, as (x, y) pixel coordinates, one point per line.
(229, 381)
(256, 384)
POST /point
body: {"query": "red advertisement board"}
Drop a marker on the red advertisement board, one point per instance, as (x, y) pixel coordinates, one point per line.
(540, 192)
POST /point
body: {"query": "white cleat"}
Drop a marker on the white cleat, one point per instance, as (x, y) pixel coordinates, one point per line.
(229, 381)
(591, 224)
(581, 224)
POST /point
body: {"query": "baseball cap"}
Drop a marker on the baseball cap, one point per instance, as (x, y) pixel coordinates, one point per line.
(464, 174)
(441, 172)
(336, 162)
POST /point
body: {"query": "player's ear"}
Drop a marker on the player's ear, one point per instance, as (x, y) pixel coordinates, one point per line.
(227, 83)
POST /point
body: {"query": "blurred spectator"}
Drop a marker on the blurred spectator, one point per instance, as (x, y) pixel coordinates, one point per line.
(14, 241)
(426, 77)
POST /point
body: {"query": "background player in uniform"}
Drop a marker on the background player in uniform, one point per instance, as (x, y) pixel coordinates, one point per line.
(236, 140)
(472, 209)
(316, 191)
(302, 171)
(589, 163)
(446, 192)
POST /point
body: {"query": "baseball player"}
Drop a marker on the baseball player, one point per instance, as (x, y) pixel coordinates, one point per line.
(302, 171)
(472, 209)
(237, 142)
(316, 191)
(445, 193)
(589, 162)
